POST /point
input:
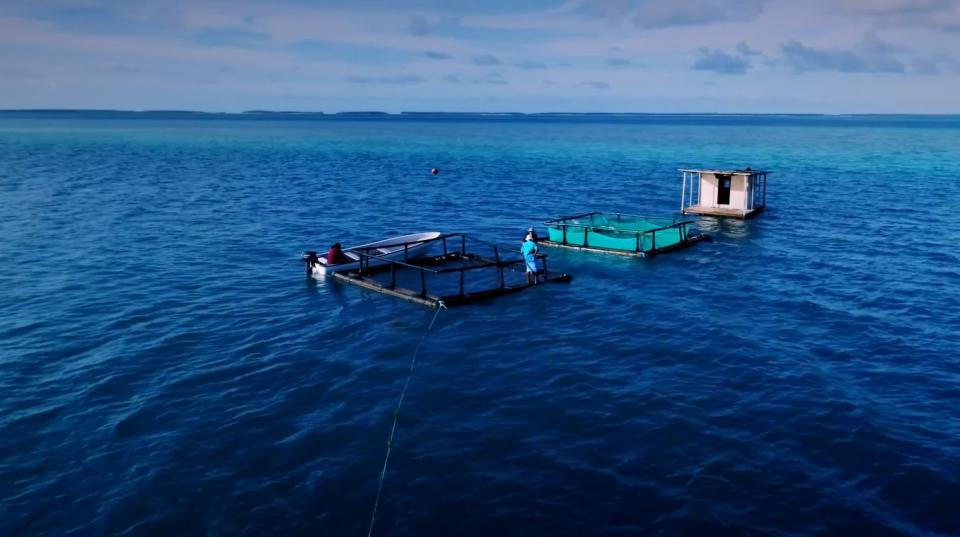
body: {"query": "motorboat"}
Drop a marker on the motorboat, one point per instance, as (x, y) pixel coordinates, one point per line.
(401, 248)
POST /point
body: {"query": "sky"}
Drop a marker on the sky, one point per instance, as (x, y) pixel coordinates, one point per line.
(716, 56)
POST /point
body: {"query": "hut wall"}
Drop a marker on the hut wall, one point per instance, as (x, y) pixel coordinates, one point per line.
(708, 190)
(738, 197)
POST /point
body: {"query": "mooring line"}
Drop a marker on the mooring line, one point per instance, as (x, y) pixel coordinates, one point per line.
(396, 416)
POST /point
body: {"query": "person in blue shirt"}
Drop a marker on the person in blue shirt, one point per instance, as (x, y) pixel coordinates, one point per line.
(529, 250)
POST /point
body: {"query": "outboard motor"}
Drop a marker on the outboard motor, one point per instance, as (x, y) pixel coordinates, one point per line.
(311, 259)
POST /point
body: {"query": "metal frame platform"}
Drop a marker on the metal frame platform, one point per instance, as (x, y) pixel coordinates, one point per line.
(364, 276)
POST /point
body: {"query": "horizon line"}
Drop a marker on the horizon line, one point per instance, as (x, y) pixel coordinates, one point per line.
(379, 113)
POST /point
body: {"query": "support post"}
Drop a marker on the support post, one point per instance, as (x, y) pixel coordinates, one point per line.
(461, 282)
(653, 241)
(496, 256)
(756, 193)
(683, 191)
(444, 246)
(746, 190)
(699, 186)
(423, 283)
(463, 245)
(406, 249)
(393, 276)
(544, 269)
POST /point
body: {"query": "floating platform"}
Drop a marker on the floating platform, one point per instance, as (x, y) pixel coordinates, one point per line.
(621, 234)
(722, 211)
(453, 277)
(724, 193)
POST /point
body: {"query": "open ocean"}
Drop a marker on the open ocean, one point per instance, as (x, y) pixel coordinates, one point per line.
(167, 369)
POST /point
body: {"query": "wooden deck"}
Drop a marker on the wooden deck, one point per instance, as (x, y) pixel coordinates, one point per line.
(721, 211)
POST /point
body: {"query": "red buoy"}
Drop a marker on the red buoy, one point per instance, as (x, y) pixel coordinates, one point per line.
(434, 171)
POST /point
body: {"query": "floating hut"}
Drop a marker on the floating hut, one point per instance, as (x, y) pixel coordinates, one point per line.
(454, 275)
(736, 193)
(622, 234)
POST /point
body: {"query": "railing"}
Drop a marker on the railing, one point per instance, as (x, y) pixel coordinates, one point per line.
(620, 216)
(679, 225)
(394, 264)
(360, 250)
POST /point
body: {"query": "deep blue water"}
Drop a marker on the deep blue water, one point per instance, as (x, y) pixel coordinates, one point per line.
(167, 369)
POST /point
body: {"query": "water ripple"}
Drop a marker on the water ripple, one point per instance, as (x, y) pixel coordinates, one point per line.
(165, 368)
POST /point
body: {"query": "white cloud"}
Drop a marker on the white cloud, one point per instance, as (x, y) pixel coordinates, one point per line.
(591, 41)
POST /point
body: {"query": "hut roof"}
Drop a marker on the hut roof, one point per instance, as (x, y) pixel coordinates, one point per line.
(727, 172)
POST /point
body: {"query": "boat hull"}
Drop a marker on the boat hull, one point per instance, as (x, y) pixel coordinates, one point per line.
(382, 252)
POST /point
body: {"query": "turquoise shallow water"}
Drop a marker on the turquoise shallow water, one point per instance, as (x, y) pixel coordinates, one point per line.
(166, 369)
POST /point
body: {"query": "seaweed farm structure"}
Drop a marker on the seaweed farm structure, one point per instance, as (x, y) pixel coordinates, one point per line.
(461, 270)
(736, 193)
(622, 234)
(441, 269)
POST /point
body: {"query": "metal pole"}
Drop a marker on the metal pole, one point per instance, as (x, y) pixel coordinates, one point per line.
(700, 189)
(463, 245)
(653, 241)
(683, 191)
(746, 189)
(444, 245)
(423, 283)
(393, 275)
(461, 282)
(699, 184)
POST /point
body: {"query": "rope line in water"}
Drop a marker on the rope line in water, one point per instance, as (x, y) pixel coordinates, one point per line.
(396, 416)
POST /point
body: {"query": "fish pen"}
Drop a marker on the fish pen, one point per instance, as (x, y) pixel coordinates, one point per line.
(455, 273)
(622, 234)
